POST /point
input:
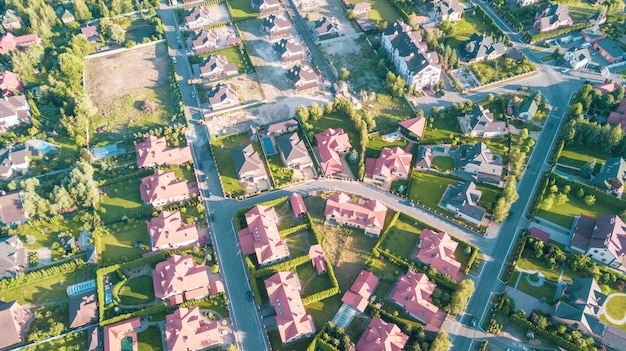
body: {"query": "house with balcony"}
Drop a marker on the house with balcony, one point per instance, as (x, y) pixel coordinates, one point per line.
(368, 215)
(289, 50)
(162, 188)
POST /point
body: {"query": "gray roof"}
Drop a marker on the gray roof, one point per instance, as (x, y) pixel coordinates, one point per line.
(12, 257)
(480, 46)
(247, 160)
(613, 174)
(582, 303)
(529, 106)
(464, 197)
(610, 46)
(291, 146)
(11, 210)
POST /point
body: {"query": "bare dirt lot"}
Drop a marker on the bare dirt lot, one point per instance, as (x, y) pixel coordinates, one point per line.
(247, 88)
(119, 83)
(358, 58)
(316, 9)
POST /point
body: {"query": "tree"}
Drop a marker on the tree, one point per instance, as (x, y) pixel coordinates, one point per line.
(590, 200)
(461, 295)
(500, 209)
(344, 73)
(586, 171)
(547, 203)
(116, 33)
(81, 11)
(446, 27)
(328, 108)
(302, 112)
(351, 15)
(316, 111)
(82, 186)
(441, 342)
(580, 193)
(560, 199)
(353, 157)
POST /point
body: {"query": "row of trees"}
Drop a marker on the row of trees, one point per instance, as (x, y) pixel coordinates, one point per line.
(589, 99)
(603, 138)
(507, 198)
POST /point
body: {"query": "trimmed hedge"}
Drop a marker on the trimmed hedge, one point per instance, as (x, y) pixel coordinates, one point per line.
(549, 335)
(383, 236)
(285, 266)
(286, 232)
(44, 273)
(148, 311)
(600, 195)
(556, 33)
(320, 295)
(253, 285)
(318, 344)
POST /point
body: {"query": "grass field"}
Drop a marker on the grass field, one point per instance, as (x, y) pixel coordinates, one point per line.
(467, 26)
(358, 58)
(545, 292)
(49, 289)
(381, 10)
(71, 341)
(563, 215)
(120, 243)
(489, 196)
(577, 156)
(150, 339)
(222, 152)
(444, 129)
(376, 143)
(551, 274)
(137, 291)
(324, 310)
(241, 10)
(41, 323)
(311, 281)
(281, 174)
(122, 199)
(47, 232)
(444, 163)
(403, 236)
(622, 73)
(428, 188)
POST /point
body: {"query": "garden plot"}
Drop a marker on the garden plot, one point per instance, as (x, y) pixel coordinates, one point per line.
(358, 58)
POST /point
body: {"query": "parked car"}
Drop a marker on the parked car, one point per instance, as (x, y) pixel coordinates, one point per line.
(249, 296)
(174, 59)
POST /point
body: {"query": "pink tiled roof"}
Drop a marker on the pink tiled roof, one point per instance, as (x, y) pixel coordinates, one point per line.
(437, 249)
(10, 42)
(113, 333)
(540, 234)
(189, 329)
(382, 336)
(216, 287)
(371, 213)
(10, 83)
(162, 185)
(355, 300)
(331, 144)
(168, 230)
(297, 204)
(283, 290)
(12, 318)
(414, 125)
(391, 160)
(261, 236)
(316, 253)
(361, 290)
(177, 275)
(413, 291)
(155, 152)
(607, 88)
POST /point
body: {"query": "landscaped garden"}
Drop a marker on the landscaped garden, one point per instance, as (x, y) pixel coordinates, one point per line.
(124, 240)
(428, 188)
(443, 127)
(122, 200)
(376, 143)
(282, 175)
(150, 339)
(138, 290)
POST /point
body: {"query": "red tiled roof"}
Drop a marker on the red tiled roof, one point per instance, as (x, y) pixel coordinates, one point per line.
(382, 336)
(361, 290)
(332, 143)
(10, 42)
(437, 249)
(297, 204)
(283, 290)
(343, 209)
(189, 329)
(177, 275)
(83, 309)
(113, 333)
(168, 230)
(540, 234)
(162, 186)
(261, 236)
(414, 125)
(155, 152)
(316, 253)
(10, 83)
(607, 88)
(216, 287)
(413, 291)
(391, 161)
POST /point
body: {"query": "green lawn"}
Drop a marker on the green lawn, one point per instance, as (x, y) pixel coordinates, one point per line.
(43, 319)
(622, 73)
(615, 307)
(233, 55)
(577, 156)
(444, 129)
(545, 292)
(122, 199)
(311, 281)
(403, 236)
(381, 10)
(388, 111)
(120, 243)
(150, 339)
(70, 342)
(324, 310)
(552, 274)
(46, 232)
(337, 120)
(49, 289)
(444, 163)
(467, 26)
(222, 152)
(376, 143)
(241, 10)
(490, 194)
(281, 174)
(137, 291)
(428, 188)
(563, 215)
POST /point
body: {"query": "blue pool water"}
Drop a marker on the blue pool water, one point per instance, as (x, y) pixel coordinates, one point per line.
(268, 146)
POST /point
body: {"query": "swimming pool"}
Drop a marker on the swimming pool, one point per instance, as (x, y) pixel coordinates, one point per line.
(268, 146)
(439, 149)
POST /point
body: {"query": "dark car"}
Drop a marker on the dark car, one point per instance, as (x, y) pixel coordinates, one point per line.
(212, 217)
(510, 215)
(249, 295)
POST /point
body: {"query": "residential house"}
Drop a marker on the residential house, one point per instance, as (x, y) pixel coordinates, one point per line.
(278, 128)
(204, 41)
(366, 215)
(610, 50)
(223, 95)
(13, 257)
(413, 292)
(318, 258)
(114, 333)
(91, 32)
(480, 162)
(412, 129)
(618, 117)
(382, 336)
(276, 27)
(462, 198)
(528, 110)
(198, 16)
(425, 158)
(481, 48)
(168, 231)
(11, 20)
(67, 17)
(332, 144)
(361, 291)
(581, 306)
(283, 290)
(362, 9)
(83, 309)
(591, 35)
(603, 239)
(479, 122)
(189, 329)
(302, 78)
(612, 176)
(248, 164)
(551, 17)
(448, 10)
(10, 83)
(11, 211)
(10, 42)
(265, 7)
(154, 152)
(297, 205)
(393, 163)
(327, 27)
(437, 250)
(14, 319)
(162, 188)
(217, 66)
(261, 236)
(607, 88)
(419, 68)
(289, 50)
(15, 159)
(524, 3)
(293, 151)
(180, 276)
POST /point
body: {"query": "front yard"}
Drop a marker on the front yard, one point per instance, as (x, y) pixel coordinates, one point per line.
(428, 188)
(577, 156)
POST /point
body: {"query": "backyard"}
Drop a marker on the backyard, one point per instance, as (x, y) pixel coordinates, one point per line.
(241, 10)
(224, 160)
(428, 188)
(282, 175)
(376, 144)
(150, 339)
(577, 156)
(442, 128)
(49, 289)
(122, 199)
(121, 242)
(463, 29)
(403, 236)
(137, 291)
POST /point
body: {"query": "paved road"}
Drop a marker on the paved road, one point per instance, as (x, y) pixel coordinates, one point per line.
(310, 42)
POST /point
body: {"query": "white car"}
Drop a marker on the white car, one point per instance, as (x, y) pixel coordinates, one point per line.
(565, 70)
(174, 59)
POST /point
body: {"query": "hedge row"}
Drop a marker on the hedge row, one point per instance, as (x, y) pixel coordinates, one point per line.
(319, 344)
(316, 234)
(285, 266)
(148, 311)
(239, 214)
(557, 33)
(383, 236)
(389, 317)
(299, 228)
(253, 285)
(320, 295)
(472, 258)
(549, 335)
(44, 273)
